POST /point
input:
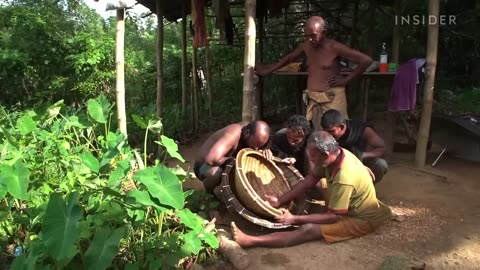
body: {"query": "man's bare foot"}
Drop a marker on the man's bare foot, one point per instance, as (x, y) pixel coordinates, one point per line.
(244, 240)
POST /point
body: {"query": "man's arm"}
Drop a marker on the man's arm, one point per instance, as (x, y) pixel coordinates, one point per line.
(263, 70)
(309, 182)
(355, 56)
(374, 144)
(324, 218)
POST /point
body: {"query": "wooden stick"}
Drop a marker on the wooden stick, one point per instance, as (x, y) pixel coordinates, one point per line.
(432, 48)
(184, 57)
(160, 83)
(120, 70)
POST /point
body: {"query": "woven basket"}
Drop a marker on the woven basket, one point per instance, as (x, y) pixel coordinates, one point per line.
(256, 176)
(233, 204)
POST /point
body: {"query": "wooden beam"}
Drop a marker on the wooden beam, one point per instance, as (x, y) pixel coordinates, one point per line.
(249, 61)
(160, 81)
(184, 57)
(432, 48)
(120, 70)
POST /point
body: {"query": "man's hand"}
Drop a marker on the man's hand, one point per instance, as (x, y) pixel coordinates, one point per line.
(289, 161)
(337, 80)
(267, 153)
(286, 218)
(272, 200)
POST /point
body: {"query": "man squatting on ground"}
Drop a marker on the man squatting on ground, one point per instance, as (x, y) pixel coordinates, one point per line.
(223, 145)
(358, 138)
(289, 143)
(325, 84)
(353, 208)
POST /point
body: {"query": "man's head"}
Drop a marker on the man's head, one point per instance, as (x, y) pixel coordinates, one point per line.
(334, 123)
(298, 129)
(255, 134)
(315, 30)
(322, 148)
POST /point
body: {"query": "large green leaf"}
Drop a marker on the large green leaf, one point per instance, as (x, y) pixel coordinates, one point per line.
(162, 184)
(171, 147)
(90, 161)
(26, 124)
(60, 226)
(140, 121)
(189, 219)
(195, 223)
(99, 109)
(103, 248)
(192, 244)
(119, 173)
(15, 179)
(143, 198)
(155, 125)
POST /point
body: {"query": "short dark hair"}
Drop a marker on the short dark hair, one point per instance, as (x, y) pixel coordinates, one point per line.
(323, 141)
(332, 118)
(299, 122)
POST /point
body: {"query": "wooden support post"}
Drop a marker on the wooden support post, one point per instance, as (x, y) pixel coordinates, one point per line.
(209, 80)
(249, 61)
(184, 57)
(194, 89)
(353, 34)
(160, 82)
(120, 70)
(259, 84)
(365, 84)
(396, 33)
(432, 47)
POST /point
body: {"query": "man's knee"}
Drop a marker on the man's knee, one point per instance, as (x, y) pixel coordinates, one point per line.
(379, 167)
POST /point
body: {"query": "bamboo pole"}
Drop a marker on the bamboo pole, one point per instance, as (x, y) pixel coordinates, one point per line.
(160, 82)
(432, 48)
(249, 61)
(194, 89)
(184, 58)
(209, 80)
(120, 70)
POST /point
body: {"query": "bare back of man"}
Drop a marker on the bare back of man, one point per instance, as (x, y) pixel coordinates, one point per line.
(223, 145)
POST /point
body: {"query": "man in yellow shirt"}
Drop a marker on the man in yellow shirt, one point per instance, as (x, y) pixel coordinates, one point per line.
(353, 208)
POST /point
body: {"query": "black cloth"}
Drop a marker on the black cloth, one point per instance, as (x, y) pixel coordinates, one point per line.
(352, 140)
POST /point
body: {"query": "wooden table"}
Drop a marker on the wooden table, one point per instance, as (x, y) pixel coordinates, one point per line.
(364, 84)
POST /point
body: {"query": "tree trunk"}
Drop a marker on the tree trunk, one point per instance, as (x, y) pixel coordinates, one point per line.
(209, 80)
(396, 33)
(120, 70)
(160, 83)
(249, 61)
(194, 89)
(432, 47)
(259, 85)
(184, 58)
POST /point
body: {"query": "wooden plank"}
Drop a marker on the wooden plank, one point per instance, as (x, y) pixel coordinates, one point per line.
(120, 71)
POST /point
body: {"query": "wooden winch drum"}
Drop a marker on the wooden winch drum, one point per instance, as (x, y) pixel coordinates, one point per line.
(254, 211)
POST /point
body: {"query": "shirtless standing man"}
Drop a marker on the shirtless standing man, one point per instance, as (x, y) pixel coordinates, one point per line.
(325, 86)
(224, 145)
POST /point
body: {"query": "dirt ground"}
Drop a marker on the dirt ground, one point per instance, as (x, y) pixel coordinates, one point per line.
(440, 225)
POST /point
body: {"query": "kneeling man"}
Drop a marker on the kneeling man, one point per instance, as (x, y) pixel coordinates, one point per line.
(353, 208)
